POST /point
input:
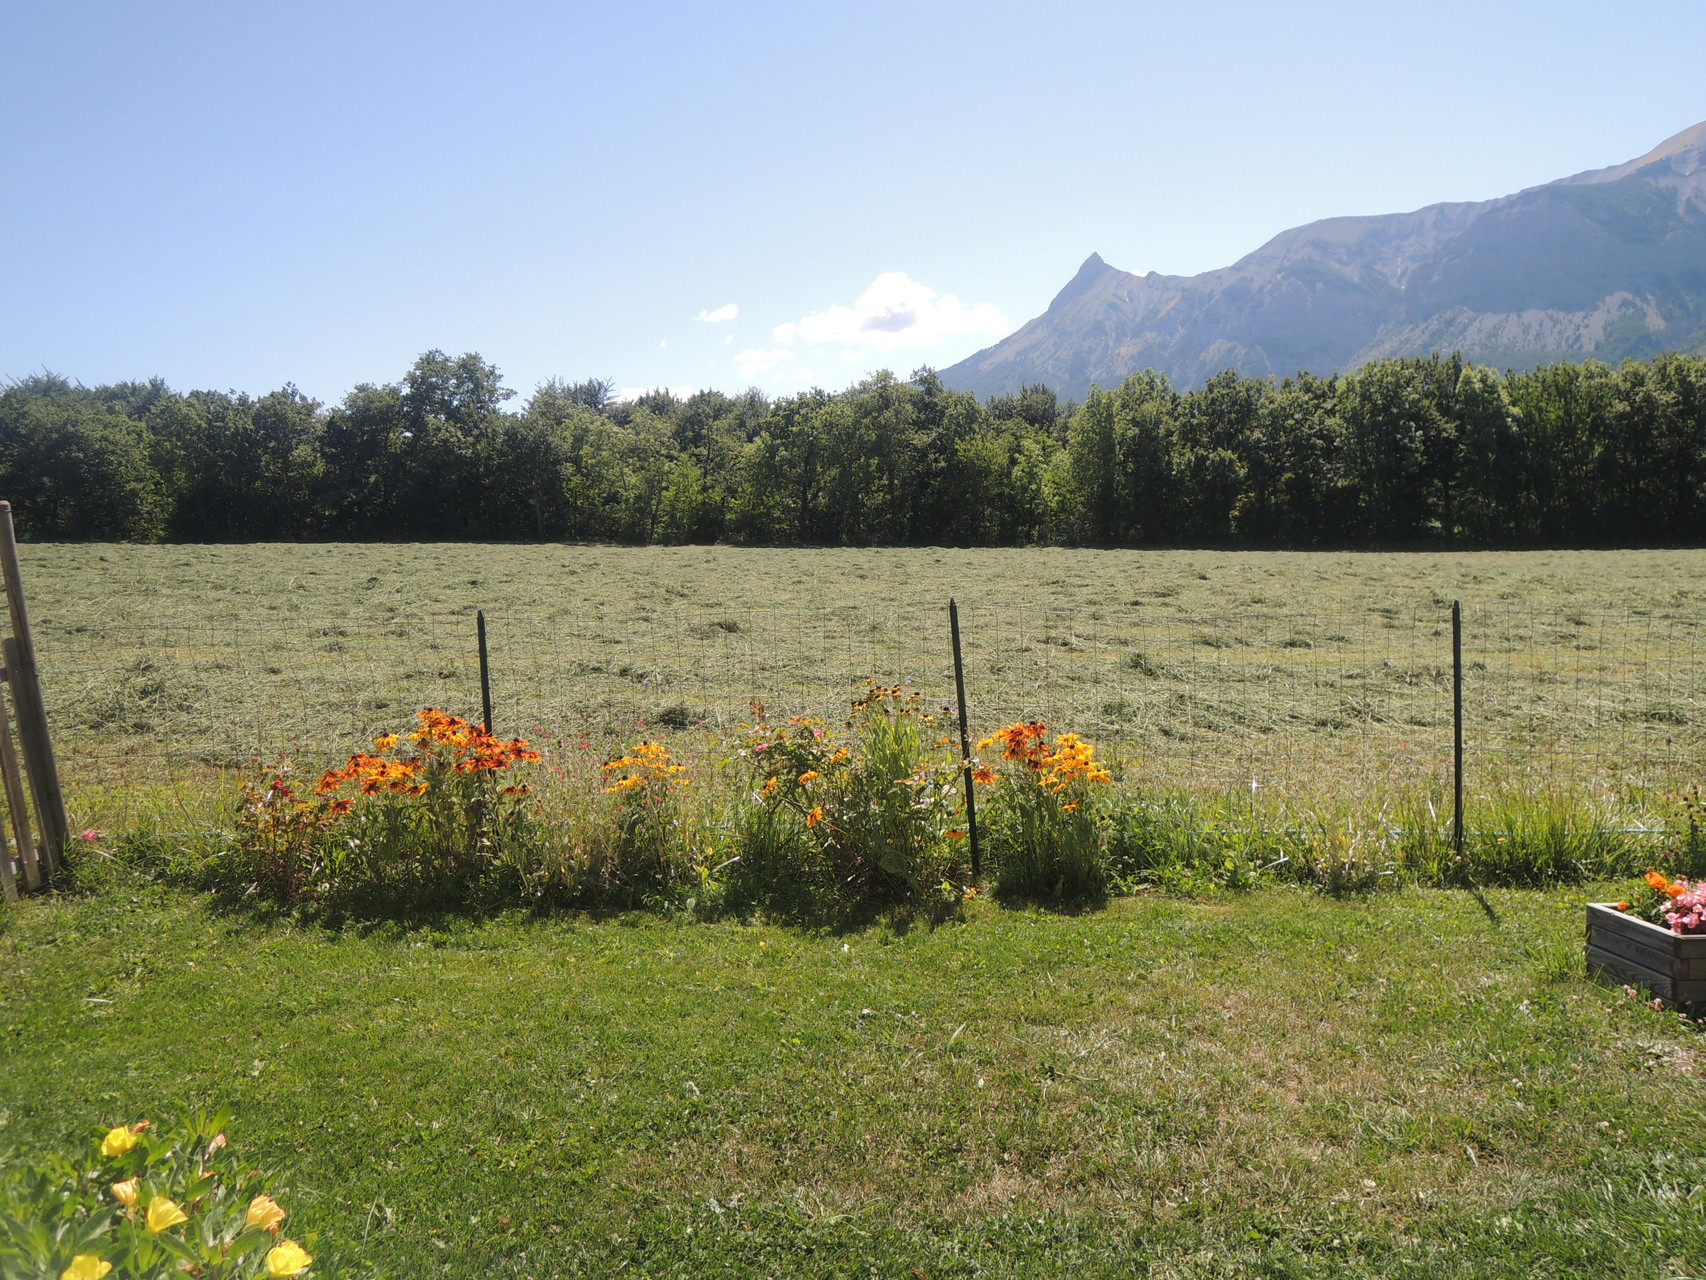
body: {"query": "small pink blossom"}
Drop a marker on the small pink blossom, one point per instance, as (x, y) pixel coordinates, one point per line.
(90, 835)
(1686, 911)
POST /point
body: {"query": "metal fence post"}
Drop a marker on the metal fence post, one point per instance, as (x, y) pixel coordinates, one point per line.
(1457, 727)
(965, 743)
(485, 672)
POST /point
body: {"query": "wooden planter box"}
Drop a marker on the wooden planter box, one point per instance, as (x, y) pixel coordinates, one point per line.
(1670, 965)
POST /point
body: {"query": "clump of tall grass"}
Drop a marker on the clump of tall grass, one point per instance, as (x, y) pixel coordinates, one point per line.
(1339, 852)
(1186, 842)
(1523, 838)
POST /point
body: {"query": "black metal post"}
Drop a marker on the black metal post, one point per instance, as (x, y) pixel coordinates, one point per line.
(1457, 727)
(965, 742)
(485, 673)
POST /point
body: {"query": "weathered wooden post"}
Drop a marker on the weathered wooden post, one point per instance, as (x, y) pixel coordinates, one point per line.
(18, 808)
(21, 674)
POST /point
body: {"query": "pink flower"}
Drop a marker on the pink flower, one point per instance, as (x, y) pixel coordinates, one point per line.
(90, 834)
(1686, 911)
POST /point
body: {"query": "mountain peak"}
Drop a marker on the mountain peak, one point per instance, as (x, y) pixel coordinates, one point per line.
(1092, 270)
(1609, 264)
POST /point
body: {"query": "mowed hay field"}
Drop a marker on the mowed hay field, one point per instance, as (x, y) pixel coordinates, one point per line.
(1279, 675)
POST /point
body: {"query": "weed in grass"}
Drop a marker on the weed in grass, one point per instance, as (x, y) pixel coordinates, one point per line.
(1339, 855)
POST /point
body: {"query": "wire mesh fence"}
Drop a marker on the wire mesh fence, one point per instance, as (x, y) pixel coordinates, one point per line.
(1338, 703)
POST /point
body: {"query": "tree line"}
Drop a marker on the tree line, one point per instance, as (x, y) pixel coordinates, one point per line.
(1400, 453)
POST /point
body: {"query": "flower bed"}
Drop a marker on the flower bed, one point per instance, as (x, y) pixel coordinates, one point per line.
(1622, 945)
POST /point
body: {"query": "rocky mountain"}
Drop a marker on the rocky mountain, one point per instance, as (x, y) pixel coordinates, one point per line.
(1609, 263)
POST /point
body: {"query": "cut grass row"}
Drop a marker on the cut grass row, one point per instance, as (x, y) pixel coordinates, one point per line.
(1270, 1083)
(1314, 675)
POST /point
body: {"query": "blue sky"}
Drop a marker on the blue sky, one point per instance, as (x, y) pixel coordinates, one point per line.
(237, 195)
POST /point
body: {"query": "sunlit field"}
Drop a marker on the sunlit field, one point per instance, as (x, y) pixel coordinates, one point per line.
(1283, 1045)
(1278, 675)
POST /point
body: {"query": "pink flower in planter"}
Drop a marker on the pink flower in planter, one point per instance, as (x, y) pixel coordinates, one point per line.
(1686, 911)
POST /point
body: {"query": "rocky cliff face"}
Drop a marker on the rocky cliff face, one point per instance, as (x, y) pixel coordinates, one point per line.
(1609, 263)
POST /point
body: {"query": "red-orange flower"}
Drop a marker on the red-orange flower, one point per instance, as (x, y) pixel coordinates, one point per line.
(1671, 889)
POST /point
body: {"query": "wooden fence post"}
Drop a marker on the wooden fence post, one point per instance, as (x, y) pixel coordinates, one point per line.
(15, 804)
(32, 711)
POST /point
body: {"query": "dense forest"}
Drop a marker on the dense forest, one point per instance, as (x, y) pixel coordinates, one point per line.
(1407, 452)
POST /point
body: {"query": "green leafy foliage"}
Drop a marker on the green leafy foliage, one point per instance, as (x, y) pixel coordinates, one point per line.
(146, 1201)
(1405, 452)
(854, 818)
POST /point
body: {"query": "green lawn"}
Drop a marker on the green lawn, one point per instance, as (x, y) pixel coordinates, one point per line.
(1271, 1084)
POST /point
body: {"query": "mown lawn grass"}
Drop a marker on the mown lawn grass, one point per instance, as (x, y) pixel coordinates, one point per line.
(1271, 1083)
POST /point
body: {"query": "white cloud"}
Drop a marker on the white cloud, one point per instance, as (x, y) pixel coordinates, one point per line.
(663, 345)
(756, 360)
(896, 311)
(726, 312)
(728, 337)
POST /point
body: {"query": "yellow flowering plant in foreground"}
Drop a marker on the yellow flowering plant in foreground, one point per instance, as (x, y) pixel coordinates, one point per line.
(1045, 837)
(146, 1201)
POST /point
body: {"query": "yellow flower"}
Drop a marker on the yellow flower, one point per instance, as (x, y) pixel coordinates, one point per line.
(815, 816)
(264, 1212)
(125, 1192)
(287, 1259)
(85, 1266)
(118, 1142)
(767, 788)
(810, 775)
(163, 1213)
(385, 743)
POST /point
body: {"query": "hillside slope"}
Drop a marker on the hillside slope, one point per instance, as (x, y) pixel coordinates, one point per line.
(1609, 263)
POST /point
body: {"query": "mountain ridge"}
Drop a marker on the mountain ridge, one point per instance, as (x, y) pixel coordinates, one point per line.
(1606, 263)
